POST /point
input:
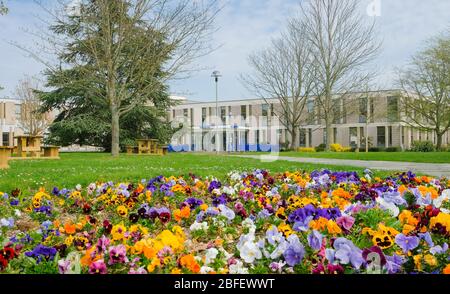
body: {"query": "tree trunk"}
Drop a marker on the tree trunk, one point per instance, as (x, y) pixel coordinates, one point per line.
(367, 138)
(329, 131)
(294, 143)
(439, 141)
(115, 131)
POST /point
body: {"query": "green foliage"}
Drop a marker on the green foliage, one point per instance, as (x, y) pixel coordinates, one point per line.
(87, 92)
(321, 148)
(3, 9)
(373, 217)
(423, 146)
(393, 149)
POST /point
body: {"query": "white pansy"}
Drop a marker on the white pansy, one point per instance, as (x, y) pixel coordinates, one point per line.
(216, 192)
(17, 213)
(445, 196)
(248, 223)
(229, 190)
(234, 176)
(250, 251)
(238, 268)
(389, 206)
(211, 255)
(78, 187)
(196, 226)
(206, 270)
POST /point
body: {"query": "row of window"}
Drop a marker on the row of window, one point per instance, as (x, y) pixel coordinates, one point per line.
(366, 111)
(266, 109)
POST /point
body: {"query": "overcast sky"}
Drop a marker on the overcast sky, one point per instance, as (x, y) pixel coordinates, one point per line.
(243, 27)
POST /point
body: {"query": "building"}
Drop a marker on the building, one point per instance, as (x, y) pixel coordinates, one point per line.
(10, 111)
(253, 125)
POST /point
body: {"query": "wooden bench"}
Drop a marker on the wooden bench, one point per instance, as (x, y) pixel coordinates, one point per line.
(163, 150)
(29, 144)
(132, 149)
(5, 153)
(51, 151)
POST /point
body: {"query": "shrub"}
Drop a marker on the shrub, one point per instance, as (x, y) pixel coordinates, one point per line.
(393, 149)
(376, 149)
(306, 149)
(321, 148)
(423, 146)
(339, 148)
(285, 146)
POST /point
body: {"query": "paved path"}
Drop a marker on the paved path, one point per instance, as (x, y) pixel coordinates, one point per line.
(431, 169)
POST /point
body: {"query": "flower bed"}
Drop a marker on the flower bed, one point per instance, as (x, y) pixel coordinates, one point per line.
(257, 222)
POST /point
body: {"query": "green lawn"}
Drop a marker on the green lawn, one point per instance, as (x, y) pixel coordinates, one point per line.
(85, 168)
(432, 157)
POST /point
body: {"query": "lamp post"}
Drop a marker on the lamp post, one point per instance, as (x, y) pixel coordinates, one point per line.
(216, 75)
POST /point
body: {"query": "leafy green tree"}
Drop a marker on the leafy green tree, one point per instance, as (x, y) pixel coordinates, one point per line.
(3, 8)
(116, 57)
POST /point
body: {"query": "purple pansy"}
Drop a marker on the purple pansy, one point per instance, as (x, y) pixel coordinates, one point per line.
(407, 243)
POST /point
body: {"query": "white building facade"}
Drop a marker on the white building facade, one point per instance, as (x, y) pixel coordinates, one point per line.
(254, 125)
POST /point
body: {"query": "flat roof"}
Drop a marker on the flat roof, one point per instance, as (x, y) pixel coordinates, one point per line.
(190, 102)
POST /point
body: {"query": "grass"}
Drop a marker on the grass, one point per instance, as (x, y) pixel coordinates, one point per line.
(85, 168)
(432, 157)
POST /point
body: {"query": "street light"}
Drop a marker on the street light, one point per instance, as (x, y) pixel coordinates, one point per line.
(216, 75)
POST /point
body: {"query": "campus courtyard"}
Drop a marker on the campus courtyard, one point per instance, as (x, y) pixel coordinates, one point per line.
(197, 139)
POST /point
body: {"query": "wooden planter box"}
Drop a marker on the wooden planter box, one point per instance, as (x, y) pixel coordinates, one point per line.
(5, 153)
(51, 151)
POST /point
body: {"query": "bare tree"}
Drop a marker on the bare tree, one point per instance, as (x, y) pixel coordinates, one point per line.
(32, 121)
(283, 71)
(368, 112)
(133, 47)
(342, 43)
(426, 85)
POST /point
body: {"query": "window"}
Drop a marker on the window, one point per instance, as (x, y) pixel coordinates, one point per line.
(244, 111)
(302, 138)
(186, 112)
(372, 109)
(344, 111)
(403, 136)
(353, 137)
(173, 114)
(381, 136)
(18, 109)
(310, 137)
(5, 139)
(337, 111)
(390, 136)
(192, 117)
(310, 109)
(223, 113)
(250, 110)
(363, 110)
(265, 110)
(203, 114)
(272, 113)
(392, 109)
(335, 135)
